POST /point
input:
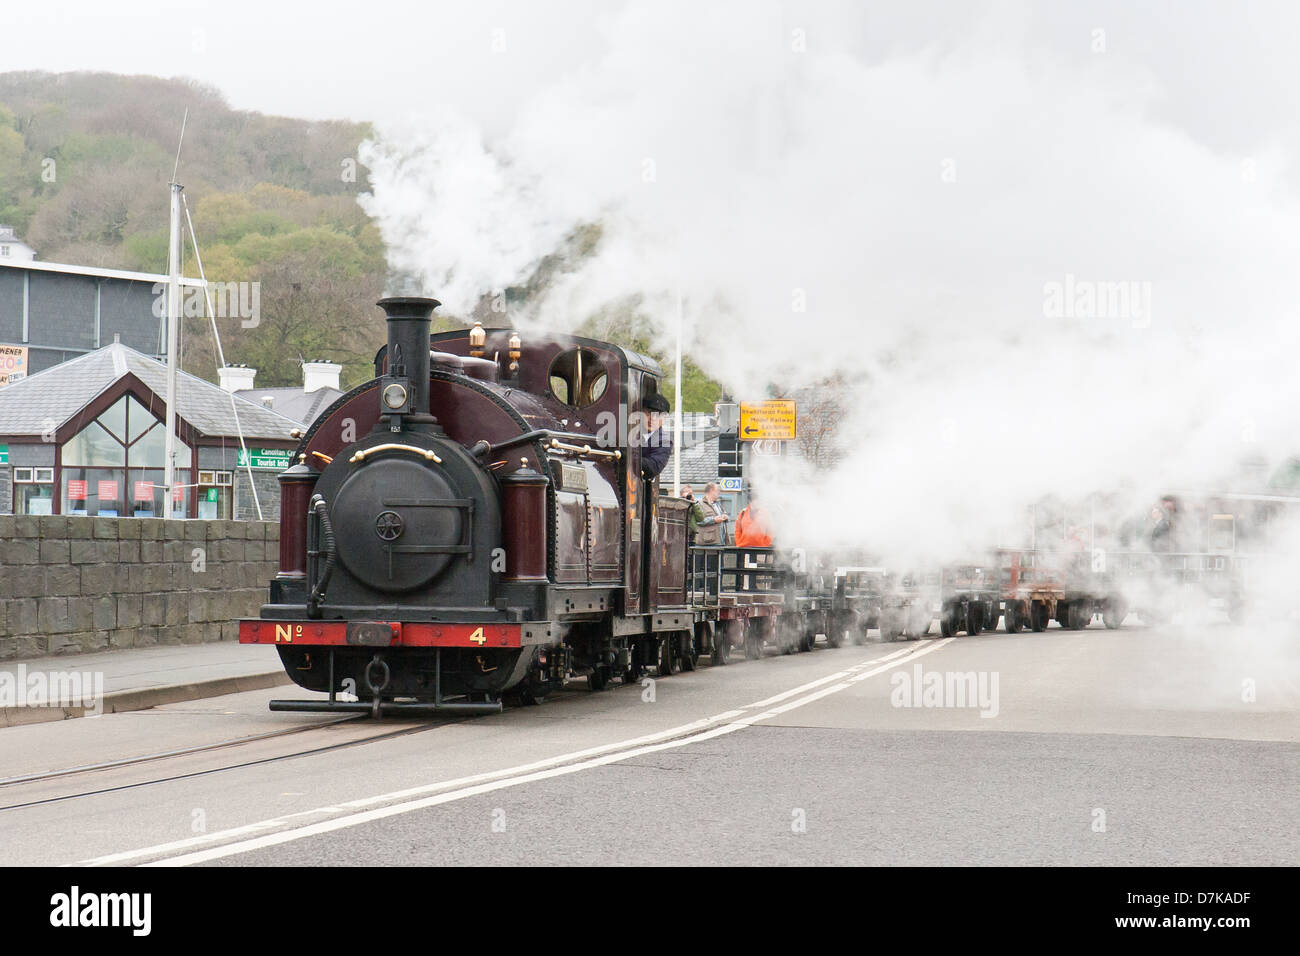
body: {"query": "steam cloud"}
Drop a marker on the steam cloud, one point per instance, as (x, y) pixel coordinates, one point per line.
(927, 220)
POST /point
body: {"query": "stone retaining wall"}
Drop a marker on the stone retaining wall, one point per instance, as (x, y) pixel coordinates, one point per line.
(71, 583)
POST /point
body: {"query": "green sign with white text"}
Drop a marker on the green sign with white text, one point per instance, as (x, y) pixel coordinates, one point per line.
(277, 458)
(4, 454)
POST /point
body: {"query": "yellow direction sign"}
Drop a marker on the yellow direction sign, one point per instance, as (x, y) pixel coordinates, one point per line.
(772, 420)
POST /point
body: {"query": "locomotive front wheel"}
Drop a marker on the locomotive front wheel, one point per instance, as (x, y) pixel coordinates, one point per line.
(526, 694)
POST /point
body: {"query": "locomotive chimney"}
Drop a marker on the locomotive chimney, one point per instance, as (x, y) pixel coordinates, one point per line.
(404, 390)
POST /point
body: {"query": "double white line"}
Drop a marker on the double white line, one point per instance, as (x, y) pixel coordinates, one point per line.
(255, 836)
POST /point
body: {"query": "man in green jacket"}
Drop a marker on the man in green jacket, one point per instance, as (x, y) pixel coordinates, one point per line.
(708, 517)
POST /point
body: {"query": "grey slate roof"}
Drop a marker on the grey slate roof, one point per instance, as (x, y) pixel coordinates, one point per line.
(699, 449)
(294, 403)
(57, 394)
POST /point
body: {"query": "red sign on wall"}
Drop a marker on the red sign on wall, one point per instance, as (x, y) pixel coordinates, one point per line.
(143, 491)
(107, 491)
(178, 494)
(76, 489)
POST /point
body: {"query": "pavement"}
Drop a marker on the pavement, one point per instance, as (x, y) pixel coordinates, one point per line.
(138, 678)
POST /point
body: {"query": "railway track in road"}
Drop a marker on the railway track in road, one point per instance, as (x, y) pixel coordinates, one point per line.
(116, 775)
(335, 816)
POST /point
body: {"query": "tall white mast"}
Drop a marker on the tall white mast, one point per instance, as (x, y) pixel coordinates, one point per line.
(173, 324)
(173, 328)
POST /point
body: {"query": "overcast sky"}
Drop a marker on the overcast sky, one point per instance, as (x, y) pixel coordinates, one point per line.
(1226, 70)
(897, 193)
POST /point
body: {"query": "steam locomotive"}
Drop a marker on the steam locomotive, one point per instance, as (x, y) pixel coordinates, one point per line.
(472, 526)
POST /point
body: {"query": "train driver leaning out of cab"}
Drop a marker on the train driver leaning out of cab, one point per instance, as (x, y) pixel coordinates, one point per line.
(753, 526)
(656, 440)
(708, 517)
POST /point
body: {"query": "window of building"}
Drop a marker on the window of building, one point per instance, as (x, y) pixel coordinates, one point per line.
(4, 251)
(215, 494)
(115, 466)
(33, 491)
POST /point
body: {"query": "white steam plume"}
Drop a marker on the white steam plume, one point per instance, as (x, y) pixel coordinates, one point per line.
(913, 221)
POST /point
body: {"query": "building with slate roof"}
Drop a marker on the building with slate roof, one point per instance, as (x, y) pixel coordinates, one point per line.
(88, 437)
(56, 312)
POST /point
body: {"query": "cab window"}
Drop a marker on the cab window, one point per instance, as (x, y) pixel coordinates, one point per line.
(578, 377)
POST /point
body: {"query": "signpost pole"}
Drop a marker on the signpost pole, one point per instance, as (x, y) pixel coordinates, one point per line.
(677, 406)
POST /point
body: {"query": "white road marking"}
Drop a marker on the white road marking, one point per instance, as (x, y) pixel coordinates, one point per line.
(465, 787)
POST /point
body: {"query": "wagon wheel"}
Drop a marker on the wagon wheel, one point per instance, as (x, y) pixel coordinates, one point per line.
(1038, 616)
(598, 679)
(1011, 618)
(859, 634)
(753, 644)
(721, 646)
(667, 661)
(787, 636)
(945, 624)
(974, 612)
(1078, 616)
(835, 628)
(635, 669)
(689, 655)
(994, 613)
(1113, 613)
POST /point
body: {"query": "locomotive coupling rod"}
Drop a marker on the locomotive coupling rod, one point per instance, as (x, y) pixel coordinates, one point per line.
(391, 446)
(584, 449)
(387, 708)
